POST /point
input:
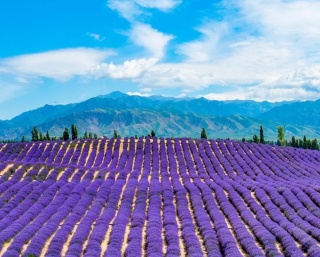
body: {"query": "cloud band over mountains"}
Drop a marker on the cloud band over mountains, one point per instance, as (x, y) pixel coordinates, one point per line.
(254, 50)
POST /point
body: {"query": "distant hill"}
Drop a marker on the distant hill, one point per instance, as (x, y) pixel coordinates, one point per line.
(299, 113)
(135, 115)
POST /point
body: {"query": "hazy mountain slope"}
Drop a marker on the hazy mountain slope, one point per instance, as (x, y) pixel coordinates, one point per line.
(299, 113)
(195, 106)
(37, 116)
(135, 115)
(165, 123)
(141, 122)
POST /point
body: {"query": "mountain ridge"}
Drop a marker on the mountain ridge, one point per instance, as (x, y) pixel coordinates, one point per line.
(137, 115)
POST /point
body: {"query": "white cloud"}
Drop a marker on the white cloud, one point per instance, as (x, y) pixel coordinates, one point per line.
(151, 39)
(146, 90)
(163, 5)
(59, 64)
(96, 37)
(302, 85)
(138, 94)
(207, 47)
(265, 51)
(142, 34)
(126, 9)
(8, 91)
(129, 69)
(278, 54)
(263, 93)
(131, 9)
(253, 61)
(171, 75)
(294, 18)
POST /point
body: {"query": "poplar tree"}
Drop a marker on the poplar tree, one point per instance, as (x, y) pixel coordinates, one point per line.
(304, 142)
(47, 136)
(74, 132)
(34, 134)
(281, 135)
(203, 134)
(315, 144)
(65, 134)
(261, 135)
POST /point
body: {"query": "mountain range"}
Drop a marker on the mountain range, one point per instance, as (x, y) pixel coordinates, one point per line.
(167, 116)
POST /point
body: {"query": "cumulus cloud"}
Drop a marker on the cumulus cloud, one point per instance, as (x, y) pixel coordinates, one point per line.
(126, 9)
(208, 46)
(138, 94)
(274, 56)
(295, 18)
(141, 34)
(129, 69)
(262, 93)
(253, 61)
(171, 75)
(149, 38)
(131, 9)
(58, 64)
(264, 51)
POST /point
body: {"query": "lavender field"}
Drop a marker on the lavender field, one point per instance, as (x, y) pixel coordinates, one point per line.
(158, 197)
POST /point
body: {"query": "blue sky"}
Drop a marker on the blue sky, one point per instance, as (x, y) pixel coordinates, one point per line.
(58, 52)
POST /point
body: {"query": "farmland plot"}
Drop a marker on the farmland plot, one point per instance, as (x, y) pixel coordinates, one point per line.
(158, 197)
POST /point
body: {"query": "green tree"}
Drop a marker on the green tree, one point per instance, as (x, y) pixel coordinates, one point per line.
(85, 135)
(203, 133)
(115, 134)
(65, 134)
(34, 134)
(315, 145)
(95, 136)
(23, 139)
(90, 135)
(304, 142)
(293, 141)
(261, 135)
(255, 138)
(280, 135)
(153, 134)
(47, 136)
(40, 136)
(74, 132)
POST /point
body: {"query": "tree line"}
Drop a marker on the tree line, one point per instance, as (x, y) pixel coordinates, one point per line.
(294, 142)
(117, 135)
(281, 141)
(304, 143)
(297, 142)
(37, 135)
